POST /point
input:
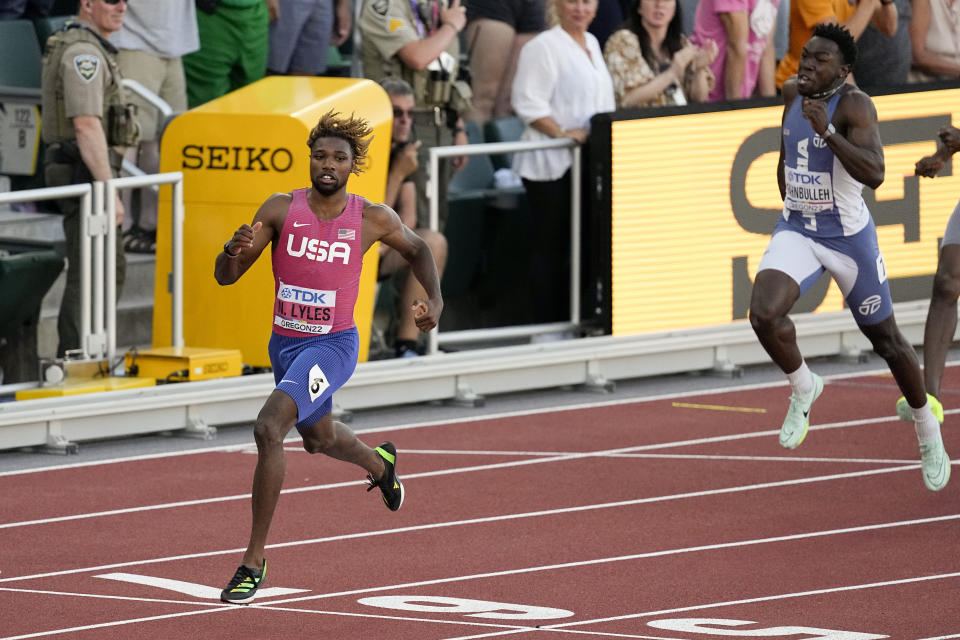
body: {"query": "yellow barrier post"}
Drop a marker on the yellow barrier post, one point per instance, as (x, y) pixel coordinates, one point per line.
(234, 152)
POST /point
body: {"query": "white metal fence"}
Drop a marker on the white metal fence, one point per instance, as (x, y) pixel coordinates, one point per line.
(437, 338)
(98, 255)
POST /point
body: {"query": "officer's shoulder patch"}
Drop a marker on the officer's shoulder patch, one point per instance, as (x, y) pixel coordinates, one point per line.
(380, 6)
(87, 66)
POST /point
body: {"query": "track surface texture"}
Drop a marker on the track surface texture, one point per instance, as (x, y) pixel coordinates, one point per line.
(666, 510)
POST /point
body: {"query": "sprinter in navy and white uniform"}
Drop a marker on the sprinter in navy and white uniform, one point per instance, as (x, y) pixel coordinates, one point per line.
(941, 322)
(830, 149)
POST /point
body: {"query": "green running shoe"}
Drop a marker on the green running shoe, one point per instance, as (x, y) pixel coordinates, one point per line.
(795, 425)
(390, 486)
(242, 588)
(935, 464)
(903, 409)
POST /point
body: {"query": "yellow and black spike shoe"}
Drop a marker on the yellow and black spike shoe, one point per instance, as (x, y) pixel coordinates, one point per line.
(243, 587)
(389, 483)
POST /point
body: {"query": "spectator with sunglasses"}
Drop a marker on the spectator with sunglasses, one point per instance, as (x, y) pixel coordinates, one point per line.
(86, 118)
(401, 195)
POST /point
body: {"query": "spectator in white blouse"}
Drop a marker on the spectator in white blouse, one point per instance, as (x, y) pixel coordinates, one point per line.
(561, 82)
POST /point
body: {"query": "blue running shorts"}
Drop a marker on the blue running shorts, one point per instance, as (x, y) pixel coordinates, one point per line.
(855, 262)
(310, 369)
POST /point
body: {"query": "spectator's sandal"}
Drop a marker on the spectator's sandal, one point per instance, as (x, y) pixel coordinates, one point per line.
(138, 240)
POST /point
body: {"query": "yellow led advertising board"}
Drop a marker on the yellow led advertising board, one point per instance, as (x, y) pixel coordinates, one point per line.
(694, 198)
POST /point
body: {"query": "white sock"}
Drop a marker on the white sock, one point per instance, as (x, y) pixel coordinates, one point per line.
(926, 425)
(801, 380)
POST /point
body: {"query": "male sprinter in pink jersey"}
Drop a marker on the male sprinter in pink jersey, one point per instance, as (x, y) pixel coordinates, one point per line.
(318, 236)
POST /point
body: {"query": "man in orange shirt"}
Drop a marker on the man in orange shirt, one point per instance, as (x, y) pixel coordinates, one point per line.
(855, 15)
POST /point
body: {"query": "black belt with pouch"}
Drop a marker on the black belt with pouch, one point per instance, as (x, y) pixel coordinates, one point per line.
(68, 153)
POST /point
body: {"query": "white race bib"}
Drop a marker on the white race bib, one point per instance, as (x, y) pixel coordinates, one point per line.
(808, 191)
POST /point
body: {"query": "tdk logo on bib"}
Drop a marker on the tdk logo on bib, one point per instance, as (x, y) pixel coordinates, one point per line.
(306, 296)
(302, 295)
(319, 250)
(804, 178)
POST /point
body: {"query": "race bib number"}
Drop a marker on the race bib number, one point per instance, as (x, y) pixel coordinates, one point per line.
(304, 310)
(808, 191)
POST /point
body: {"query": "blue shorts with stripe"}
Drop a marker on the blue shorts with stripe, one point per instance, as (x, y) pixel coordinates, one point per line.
(854, 262)
(310, 369)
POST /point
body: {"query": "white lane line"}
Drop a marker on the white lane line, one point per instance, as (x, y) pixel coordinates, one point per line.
(104, 625)
(443, 472)
(781, 596)
(659, 456)
(642, 556)
(191, 588)
(104, 596)
(509, 628)
(260, 594)
(582, 563)
(731, 603)
(214, 607)
(488, 519)
(478, 418)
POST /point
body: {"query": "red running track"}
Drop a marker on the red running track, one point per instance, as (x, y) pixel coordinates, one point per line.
(676, 517)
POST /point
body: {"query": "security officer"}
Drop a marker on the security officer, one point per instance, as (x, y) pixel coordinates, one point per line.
(417, 40)
(85, 117)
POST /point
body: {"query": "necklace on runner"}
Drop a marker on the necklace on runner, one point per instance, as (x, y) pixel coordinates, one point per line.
(828, 93)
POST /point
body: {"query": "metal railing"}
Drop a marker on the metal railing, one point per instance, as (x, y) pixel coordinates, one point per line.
(88, 220)
(436, 338)
(174, 178)
(98, 255)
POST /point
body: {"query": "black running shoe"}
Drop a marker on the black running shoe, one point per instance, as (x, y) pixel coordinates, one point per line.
(389, 483)
(243, 587)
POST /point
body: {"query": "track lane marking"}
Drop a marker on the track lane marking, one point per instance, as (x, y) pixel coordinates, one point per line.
(492, 416)
(731, 603)
(442, 472)
(103, 625)
(659, 456)
(781, 596)
(444, 422)
(580, 563)
(211, 606)
(484, 520)
(191, 588)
